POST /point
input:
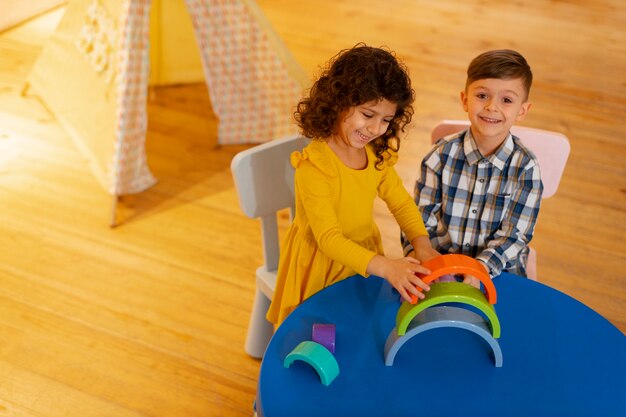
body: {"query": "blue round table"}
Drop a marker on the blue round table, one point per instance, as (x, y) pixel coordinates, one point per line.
(560, 358)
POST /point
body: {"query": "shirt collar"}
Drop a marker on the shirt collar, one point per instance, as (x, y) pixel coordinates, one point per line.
(498, 158)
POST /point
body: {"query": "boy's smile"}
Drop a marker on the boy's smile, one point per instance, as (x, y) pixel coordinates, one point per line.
(493, 106)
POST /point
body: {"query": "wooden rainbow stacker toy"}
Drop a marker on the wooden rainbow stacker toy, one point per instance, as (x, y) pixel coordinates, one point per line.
(472, 308)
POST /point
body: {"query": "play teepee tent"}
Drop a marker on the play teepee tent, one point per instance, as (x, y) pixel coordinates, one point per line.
(94, 74)
(14, 12)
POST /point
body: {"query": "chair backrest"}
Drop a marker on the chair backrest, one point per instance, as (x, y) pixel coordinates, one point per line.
(264, 181)
(551, 149)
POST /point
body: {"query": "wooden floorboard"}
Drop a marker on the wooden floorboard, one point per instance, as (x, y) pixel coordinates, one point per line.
(149, 318)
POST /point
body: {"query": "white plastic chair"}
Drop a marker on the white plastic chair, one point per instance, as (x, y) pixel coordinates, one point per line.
(264, 181)
(551, 149)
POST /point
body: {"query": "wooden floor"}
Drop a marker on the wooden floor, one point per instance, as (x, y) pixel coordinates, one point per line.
(149, 318)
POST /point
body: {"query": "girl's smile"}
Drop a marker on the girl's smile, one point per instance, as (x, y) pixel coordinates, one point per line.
(358, 126)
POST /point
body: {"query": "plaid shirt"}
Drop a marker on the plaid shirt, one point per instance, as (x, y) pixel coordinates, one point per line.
(483, 207)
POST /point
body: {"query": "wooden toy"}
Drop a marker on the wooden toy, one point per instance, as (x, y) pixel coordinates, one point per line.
(318, 357)
(472, 308)
(448, 292)
(457, 264)
(438, 317)
(324, 334)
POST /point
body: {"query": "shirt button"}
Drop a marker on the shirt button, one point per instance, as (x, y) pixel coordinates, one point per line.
(481, 180)
(474, 211)
(467, 245)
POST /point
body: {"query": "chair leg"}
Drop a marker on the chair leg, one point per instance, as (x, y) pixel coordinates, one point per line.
(260, 331)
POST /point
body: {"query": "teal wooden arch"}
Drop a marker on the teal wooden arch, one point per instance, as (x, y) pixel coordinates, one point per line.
(318, 357)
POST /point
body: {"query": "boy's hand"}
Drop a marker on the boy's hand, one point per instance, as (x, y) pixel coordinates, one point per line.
(423, 250)
(447, 278)
(471, 280)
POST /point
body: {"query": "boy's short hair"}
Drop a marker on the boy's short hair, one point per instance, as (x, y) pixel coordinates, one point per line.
(503, 64)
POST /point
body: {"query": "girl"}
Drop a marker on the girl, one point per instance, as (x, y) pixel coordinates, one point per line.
(354, 113)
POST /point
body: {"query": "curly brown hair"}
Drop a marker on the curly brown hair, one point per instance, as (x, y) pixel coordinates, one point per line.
(352, 77)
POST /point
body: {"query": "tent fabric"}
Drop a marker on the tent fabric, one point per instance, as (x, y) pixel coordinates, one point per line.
(94, 77)
(251, 89)
(129, 172)
(15, 12)
(75, 78)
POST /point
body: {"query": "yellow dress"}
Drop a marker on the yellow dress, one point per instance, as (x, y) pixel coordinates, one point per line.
(333, 235)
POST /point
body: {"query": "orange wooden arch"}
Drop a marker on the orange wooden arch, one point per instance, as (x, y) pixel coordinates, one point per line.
(457, 264)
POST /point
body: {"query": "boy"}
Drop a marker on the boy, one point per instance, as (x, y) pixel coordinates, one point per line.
(479, 190)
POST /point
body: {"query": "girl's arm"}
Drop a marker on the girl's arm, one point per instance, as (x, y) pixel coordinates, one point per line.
(406, 213)
(316, 192)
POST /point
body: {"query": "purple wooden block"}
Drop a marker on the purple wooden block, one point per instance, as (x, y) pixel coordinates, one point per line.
(324, 334)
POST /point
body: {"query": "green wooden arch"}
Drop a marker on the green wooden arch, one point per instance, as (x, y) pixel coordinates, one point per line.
(448, 292)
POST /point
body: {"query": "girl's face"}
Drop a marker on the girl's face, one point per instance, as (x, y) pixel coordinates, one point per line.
(359, 125)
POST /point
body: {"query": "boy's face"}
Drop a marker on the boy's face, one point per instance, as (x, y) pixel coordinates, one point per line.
(493, 106)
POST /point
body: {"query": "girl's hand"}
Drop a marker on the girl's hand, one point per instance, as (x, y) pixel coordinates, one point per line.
(401, 274)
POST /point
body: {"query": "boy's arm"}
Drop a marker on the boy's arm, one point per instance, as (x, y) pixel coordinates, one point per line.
(518, 225)
(423, 249)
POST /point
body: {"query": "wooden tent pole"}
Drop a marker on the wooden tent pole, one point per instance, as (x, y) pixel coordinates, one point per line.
(113, 222)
